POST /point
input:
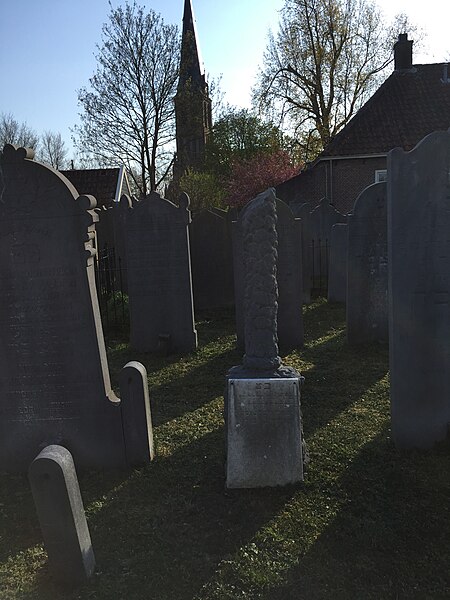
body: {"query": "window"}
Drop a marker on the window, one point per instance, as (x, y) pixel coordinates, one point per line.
(380, 175)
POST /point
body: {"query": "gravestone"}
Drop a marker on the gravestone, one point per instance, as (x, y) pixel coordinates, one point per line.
(367, 274)
(289, 278)
(262, 403)
(302, 211)
(119, 225)
(159, 275)
(212, 269)
(319, 225)
(54, 377)
(337, 271)
(134, 387)
(419, 291)
(60, 511)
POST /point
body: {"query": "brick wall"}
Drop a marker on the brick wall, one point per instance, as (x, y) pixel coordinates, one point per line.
(341, 181)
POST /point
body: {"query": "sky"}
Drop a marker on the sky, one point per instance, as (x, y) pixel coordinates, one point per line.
(47, 48)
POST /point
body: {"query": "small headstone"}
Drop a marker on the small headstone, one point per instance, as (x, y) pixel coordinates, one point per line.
(212, 269)
(319, 225)
(419, 291)
(135, 408)
(54, 377)
(262, 403)
(337, 271)
(289, 278)
(159, 274)
(60, 511)
(367, 268)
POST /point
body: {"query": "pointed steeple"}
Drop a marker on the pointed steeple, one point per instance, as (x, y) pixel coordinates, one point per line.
(192, 102)
(190, 64)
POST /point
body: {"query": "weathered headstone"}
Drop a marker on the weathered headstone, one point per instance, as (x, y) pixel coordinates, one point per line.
(367, 268)
(211, 256)
(302, 211)
(60, 511)
(419, 291)
(337, 270)
(262, 404)
(319, 225)
(54, 378)
(289, 278)
(119, 225)
(159, 275)
(136, 409)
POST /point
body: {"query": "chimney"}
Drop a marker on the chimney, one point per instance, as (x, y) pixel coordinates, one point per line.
(403, 53)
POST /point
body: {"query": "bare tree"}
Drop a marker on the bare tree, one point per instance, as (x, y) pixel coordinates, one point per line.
(326, 59)
(128, 111)
(13, 132)
(53, 150)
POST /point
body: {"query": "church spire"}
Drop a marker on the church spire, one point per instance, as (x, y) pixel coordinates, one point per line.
(190, 64)
(192, 102)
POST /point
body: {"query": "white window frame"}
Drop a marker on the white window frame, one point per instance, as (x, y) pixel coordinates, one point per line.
(380, 175)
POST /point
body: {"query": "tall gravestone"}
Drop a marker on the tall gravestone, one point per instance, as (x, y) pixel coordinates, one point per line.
(289, 277)
(319, 225)
(159, 275)
(54, 378)
(262, 404)
(211, 256)
(119, 232)
(337, 269)
(367, 267)
(419, 291)
(302, 211)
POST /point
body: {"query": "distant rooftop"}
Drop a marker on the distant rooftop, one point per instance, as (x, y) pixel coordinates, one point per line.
(409, 105)
(106, 185)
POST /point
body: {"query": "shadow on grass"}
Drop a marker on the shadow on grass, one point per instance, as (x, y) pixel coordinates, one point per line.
(162, 531)
(336, 374)
(178, 384)
(391, 537)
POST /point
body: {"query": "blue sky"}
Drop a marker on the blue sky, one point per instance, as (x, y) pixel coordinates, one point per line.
(47, 48)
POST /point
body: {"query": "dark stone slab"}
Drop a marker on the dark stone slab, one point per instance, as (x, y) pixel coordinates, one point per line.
(288, 275)
(367, 310)
(289, 279)
(419, 291)
(60, 511)
(54, 378)
(302, 211)
(159, 275)
(136, 414)
(337, 270)
(318, 232)
(211, 256)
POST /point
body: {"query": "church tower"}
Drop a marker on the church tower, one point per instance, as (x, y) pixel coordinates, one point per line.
(192, 102)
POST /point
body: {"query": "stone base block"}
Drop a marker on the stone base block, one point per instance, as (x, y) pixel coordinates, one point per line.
(264, 437)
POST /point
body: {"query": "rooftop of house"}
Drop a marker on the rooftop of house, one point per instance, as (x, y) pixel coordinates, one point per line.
(413, 102)
(106, 185)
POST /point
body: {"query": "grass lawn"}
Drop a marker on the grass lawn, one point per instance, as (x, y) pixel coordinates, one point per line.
(368, 522)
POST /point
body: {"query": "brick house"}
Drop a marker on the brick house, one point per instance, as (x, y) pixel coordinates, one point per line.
(413, 102)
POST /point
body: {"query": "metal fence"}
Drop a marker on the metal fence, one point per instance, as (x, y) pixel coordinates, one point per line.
(112, 299)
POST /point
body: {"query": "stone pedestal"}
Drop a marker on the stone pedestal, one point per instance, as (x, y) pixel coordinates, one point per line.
(264, 430)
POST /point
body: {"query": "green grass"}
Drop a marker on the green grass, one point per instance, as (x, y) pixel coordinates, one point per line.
(368, 522)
